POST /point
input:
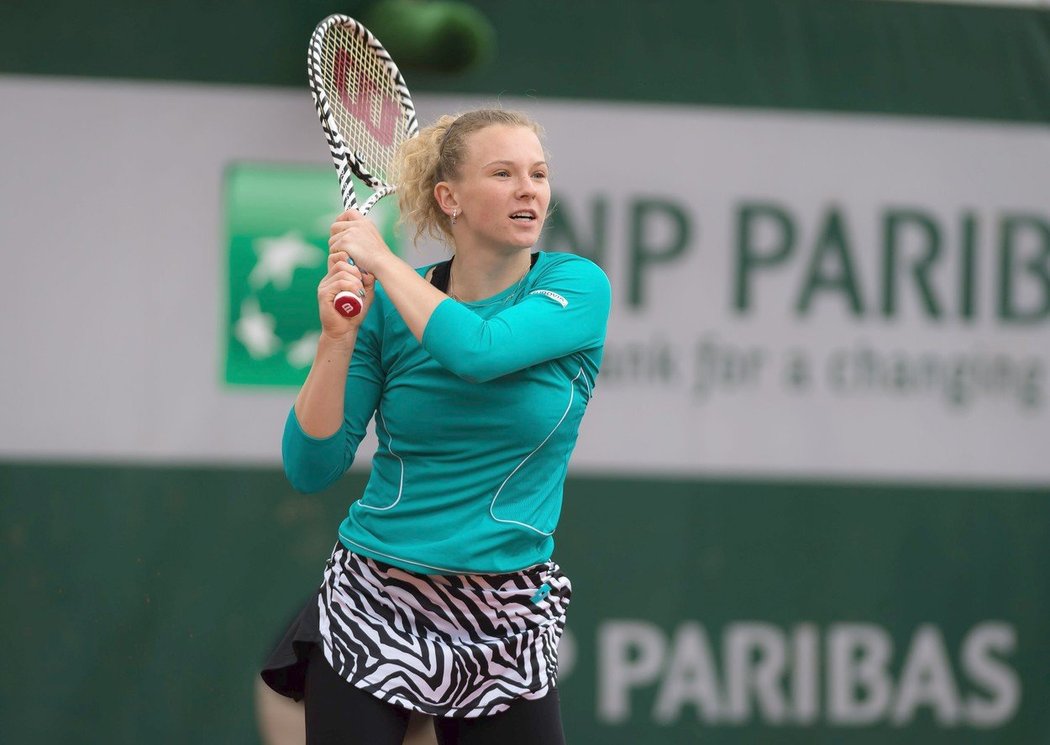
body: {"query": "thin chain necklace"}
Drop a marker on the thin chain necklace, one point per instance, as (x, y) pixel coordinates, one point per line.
(502, 301)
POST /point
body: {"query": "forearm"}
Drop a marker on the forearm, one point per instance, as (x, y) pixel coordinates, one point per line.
(320, 403)
(413, 296)
(568, 315)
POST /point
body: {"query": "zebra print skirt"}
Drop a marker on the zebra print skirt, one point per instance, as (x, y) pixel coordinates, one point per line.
(464, 645)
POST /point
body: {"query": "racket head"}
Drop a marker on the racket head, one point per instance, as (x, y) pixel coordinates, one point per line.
(362, 101)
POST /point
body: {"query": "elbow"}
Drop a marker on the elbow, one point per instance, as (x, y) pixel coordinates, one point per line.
(473, 367)
(477, 375)
(310, 464)
(304, 485)
(310, 478)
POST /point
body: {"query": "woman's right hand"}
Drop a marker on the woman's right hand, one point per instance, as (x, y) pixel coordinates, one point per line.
(342, 277)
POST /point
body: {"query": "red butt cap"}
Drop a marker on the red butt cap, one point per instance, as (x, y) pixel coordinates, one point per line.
(348, 304)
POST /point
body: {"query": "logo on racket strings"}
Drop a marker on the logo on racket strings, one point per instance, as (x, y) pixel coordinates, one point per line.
(361, 106)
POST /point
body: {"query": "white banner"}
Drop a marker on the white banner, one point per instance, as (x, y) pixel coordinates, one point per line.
(815, 294)
(794, 294)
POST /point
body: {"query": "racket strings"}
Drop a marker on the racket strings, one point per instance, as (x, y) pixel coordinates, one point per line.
(364, 102)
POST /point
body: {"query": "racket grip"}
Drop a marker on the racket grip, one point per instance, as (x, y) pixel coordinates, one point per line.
(348, 304)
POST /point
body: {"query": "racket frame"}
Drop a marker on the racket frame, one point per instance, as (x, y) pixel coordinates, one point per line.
(347, 161)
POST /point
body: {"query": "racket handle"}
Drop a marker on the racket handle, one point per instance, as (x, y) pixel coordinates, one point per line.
(348, 304)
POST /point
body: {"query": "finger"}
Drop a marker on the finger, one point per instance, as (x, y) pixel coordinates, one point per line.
(341, 276)
(346, 218)
(339, 257)
(344, 283)
(338, 264)
(343, 237)
(344, 231)
(352, 284)
(340, 254)
(346, 215)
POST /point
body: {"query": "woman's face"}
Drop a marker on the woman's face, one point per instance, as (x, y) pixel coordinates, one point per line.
(501, 191)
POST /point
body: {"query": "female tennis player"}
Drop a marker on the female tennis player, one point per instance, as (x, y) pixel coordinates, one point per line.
(441, 596)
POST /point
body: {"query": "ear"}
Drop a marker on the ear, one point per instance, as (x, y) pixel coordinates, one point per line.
(446, 197)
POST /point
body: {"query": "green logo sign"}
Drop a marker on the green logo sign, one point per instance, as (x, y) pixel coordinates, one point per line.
(277, 221)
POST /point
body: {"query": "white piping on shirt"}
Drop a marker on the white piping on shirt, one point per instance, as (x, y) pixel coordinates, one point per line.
(586, 382)
(492, 504)
(390, 446)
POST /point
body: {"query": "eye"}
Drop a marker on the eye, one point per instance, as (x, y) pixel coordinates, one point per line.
(502, 173)
(540, 174)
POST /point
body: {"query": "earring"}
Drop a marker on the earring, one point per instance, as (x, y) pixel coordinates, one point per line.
(454, 213)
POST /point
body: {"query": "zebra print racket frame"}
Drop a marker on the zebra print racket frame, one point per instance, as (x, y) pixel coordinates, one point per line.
(363, 104)
(365, 110)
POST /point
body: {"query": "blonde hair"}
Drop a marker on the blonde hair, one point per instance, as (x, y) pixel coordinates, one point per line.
(436, 155)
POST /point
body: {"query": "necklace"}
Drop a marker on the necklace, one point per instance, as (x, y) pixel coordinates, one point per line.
(512, 295)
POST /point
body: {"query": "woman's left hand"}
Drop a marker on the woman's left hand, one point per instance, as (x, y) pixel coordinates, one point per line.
(358, 238)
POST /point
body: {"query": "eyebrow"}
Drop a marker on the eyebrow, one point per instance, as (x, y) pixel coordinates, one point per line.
(510, 163)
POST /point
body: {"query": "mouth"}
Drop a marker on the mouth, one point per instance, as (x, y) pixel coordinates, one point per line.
(524, 216)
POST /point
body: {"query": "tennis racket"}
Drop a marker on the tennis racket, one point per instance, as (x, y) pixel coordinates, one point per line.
(365, 109)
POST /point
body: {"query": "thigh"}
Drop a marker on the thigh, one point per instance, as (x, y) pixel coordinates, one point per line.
(338, 713)
(526, 722)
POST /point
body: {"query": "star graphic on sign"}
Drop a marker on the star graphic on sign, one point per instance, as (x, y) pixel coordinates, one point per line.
(300, 353)
(279, 257)
(254, 329)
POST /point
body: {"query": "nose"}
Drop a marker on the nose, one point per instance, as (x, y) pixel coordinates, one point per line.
(526, 187)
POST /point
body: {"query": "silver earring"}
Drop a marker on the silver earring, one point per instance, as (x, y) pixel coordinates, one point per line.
(454, 213)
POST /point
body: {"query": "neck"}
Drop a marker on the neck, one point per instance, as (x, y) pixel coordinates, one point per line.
(477, 275)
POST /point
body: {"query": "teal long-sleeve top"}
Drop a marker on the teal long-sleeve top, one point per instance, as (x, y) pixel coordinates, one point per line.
(475, 425)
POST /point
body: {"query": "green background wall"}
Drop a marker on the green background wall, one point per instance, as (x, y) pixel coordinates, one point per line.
(139, 602)
(937, 59)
